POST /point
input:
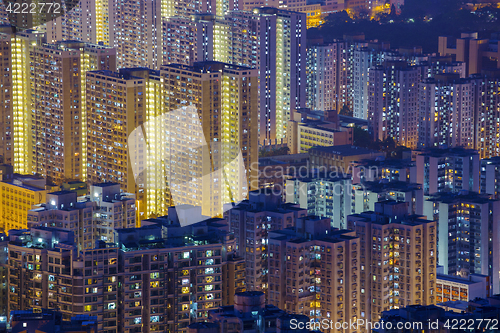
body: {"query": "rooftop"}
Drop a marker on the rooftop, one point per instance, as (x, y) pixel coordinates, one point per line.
(388, 163)
(318, 178)
(207, 67)
(456, 279)
(318, 124)
(105, 184)
(443, 152)
(492, 160)
(463, 196)
(116, 75)
(382, 219)
(344, 150)
(388, 186)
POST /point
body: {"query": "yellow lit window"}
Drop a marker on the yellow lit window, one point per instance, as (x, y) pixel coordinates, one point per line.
(185, 290)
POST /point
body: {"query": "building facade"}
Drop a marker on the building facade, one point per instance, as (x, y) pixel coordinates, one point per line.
(314, 271)
(446, 112)
(251, 222)
(393, 102)
(143, 282)
(322, 196)
(398, 258)
(448, 170)
(467, 235)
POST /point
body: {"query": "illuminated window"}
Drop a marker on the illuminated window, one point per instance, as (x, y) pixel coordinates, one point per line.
(185, 290)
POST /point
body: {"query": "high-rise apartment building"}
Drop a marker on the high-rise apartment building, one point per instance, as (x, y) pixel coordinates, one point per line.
(225, 99)
(187, 40)
(321, 76)
(385, 170)
(314, 270)
(282, 58)
(330, 73)
(436, 65)
(367, 194)
(322, 195)
(113, 209)
(448, 170)
(393, 102)
(89, 21)
(21, 47)
(446, 112)
(92, 218)
(236, 39)
(374, 54)
(490, 177)
(137, 33)
(272, 41)
(486, 115)
(115, 107)
(251, 222)
(58, 106)
(55, 103)
(6, 116)
(186, 8)
(364, 59)
(467, 233)
(397, 257)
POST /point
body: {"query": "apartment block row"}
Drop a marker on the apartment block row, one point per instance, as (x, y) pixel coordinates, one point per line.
(270, 40)
(452, 187)
(91, 141)
(141, 282)
(419, 100)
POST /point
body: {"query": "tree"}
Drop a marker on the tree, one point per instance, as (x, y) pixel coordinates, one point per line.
(274, 152)
(361, 137)
(345, 111)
